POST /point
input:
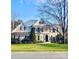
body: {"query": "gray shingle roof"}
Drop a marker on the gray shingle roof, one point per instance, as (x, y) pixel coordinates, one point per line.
(47, 22)
(30, 23)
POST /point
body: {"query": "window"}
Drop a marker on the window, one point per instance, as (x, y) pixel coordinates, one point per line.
(41, 29)
(41, 22)
(38, 37)
(25, 36)
(38, 29)
(24, 27)
(53, 29)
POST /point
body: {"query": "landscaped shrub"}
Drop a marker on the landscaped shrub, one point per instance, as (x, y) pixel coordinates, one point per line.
(59, 38)
(18, 41)
(15, 40)
(66, 41)
(39, 41)
(12, 41)
(53, 40)
(26, 40)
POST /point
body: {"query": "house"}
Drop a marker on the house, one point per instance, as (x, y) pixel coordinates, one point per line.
(44, 30)
(15, 23)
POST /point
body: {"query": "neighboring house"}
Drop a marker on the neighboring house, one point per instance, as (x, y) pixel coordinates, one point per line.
(15, 23)
(44, 30)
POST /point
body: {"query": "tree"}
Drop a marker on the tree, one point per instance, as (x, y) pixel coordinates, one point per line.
(32, 35)
(59, 38)
(52, 39)
(15, 40)
(26, 40)
(15, 20)
(57, 9)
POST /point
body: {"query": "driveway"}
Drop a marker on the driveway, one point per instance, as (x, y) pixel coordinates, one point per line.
(39, 55)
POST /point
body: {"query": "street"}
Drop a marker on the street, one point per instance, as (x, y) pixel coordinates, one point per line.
(39, 55)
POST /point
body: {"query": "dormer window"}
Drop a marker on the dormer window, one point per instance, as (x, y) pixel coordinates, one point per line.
(41, 22)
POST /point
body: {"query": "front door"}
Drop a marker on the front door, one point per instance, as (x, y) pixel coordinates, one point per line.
(46, 38)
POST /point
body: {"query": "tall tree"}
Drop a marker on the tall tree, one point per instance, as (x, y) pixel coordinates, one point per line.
(32, 35)
(57, 9)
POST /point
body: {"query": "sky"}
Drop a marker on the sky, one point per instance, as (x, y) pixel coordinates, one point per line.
(26, 9)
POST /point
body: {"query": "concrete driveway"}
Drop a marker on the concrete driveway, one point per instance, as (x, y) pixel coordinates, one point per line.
(39, 55)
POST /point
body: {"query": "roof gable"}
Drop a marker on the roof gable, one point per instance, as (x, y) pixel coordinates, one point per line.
(42, 23)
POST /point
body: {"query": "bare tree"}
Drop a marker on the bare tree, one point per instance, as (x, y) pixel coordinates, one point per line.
(57, 9)
(15, 20)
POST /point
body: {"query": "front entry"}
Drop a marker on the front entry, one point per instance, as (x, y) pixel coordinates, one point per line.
(46, 38)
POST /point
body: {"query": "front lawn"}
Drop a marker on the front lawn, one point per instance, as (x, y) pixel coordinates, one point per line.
(39, 47)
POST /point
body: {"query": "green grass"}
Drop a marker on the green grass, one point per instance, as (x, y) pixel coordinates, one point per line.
(39, 47)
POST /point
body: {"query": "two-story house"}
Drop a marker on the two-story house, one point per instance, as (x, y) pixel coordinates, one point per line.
(43, 30)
